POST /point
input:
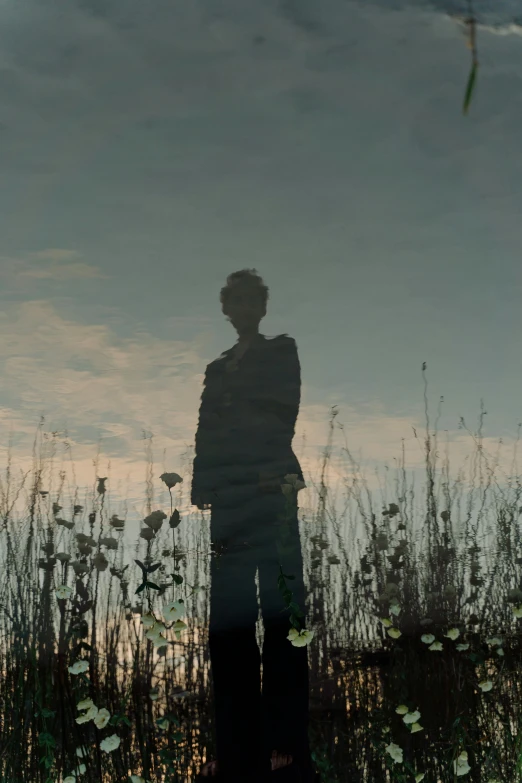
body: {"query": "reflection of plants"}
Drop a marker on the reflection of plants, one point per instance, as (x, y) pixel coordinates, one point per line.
(441, 613)
(144, 731)
(321, 759)
(285, 543)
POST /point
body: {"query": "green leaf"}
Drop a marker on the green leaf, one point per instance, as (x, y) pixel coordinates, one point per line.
(469, 88)
(46, 739)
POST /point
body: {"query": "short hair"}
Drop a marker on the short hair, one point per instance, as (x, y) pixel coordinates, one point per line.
(247, 278)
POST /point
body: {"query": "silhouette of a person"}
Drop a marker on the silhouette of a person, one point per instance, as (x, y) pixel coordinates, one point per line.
(248, 411)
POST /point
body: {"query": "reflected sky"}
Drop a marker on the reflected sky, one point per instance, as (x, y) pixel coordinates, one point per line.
(146, 153)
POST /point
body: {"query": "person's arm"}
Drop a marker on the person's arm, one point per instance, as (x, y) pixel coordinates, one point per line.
(205, 446)
(282, 394)
(278, 402)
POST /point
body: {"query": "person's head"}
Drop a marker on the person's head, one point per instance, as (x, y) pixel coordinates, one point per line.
(243, 300)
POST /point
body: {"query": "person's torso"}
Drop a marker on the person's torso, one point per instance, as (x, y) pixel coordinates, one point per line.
(237, 382)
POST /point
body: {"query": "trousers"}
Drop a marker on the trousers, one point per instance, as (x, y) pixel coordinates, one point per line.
(248, 535)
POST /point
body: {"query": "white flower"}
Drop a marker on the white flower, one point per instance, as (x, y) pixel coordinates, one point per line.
(291, 478)
(517, 610)
(69, 779)
(394, 633)
(81, 752)
(110, 743)
(91, 713)
(63, 591)
(78, 771)
(420, 777)
(155, 520)
(300, 638)
(382, 541)
(494, 641)
(102, 718)
(461, 766)
(395, 752)
(395, 609)
(461, 646)
(83, 718)
(386, 622)
(485, 685)
(85, 704)
(416, 727)
(333, 560)
(78, 667)
(401, 709)
(79, 567)
(436, 646)
(109, 542)
(427, 638)
(411, 717)
(64, 522)
(147, 534)
(174, 610)
(454, 633)
(171, 479)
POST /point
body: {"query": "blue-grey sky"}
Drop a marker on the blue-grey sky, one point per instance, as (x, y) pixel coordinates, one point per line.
(149, 149)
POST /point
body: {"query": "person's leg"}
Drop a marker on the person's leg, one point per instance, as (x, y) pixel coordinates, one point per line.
(234, 653)
(285, 667)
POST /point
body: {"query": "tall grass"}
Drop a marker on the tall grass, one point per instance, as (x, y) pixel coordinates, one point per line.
(372, 605)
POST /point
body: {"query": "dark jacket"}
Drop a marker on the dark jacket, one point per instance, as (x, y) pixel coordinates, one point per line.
(247, 417)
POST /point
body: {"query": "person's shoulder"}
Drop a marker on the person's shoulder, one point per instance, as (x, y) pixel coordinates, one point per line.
(280, 339)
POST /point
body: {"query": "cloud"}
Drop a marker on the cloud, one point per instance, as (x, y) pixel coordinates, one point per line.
(54, 254)
(77, 271)
(50, 264)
